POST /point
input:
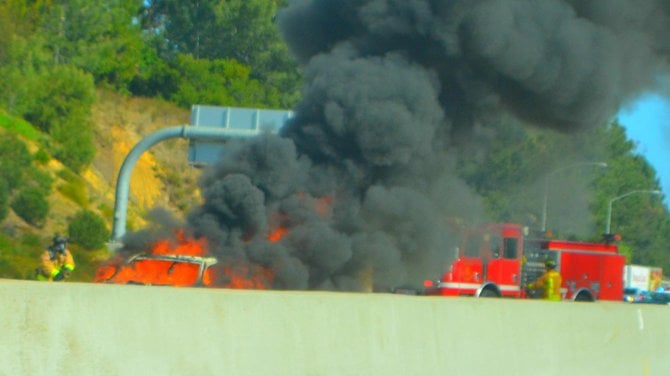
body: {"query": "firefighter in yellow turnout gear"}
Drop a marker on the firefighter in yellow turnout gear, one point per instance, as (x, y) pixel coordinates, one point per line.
(56, 262)
(550, 282)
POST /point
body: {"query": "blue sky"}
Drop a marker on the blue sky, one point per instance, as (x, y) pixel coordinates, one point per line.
(647, 122)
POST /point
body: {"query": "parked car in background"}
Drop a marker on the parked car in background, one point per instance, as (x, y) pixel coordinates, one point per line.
(637, 295)
(660, 297)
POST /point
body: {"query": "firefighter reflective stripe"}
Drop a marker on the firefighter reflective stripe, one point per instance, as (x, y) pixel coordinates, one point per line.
(55, 272)
(474, 286)
(552, 286)
(457, 285)
(509, 288)
(549, 288)
(68, 261)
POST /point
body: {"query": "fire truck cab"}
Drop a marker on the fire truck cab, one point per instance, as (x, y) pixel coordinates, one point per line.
(499, 260)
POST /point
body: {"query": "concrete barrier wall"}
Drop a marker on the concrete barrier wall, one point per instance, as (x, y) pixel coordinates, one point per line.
(89, 329)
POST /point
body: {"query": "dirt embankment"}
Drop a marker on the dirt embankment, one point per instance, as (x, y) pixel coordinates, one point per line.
(162, 176)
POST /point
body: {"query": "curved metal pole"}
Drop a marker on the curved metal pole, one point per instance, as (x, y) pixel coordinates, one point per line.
(609, 205)
(123, 181)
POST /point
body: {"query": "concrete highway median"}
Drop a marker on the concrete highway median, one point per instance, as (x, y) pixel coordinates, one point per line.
(94, 329)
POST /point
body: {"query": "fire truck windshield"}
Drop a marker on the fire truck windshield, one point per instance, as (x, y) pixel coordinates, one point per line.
(473, 245)
(490, 246)
(510, 248)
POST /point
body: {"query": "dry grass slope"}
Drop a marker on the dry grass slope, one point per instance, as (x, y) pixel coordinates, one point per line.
(120, 123)
(162, 177)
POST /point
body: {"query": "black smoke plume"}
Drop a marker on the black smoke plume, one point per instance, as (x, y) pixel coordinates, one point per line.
(363, 176)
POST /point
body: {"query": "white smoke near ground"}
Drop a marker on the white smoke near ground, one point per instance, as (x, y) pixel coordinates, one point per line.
(363, 177)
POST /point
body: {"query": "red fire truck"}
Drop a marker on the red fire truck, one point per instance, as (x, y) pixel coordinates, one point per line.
(499, 260)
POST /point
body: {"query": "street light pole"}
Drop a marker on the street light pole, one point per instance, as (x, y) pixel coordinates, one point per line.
(609, 205)
(546, 186)
(544, 204)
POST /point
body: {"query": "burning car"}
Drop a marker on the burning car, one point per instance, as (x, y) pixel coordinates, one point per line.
(182, 262)
(153, 269)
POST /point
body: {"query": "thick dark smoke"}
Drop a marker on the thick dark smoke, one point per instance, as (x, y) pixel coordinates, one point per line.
(363, 176)
(563, 64)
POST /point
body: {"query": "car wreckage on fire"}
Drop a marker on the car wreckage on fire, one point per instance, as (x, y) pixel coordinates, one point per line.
(162, 270)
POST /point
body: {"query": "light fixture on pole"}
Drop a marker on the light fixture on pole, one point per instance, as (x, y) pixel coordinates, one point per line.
(609, 205)
(546, 186)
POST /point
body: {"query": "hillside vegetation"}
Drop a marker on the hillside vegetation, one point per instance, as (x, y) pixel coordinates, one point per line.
(162, 177)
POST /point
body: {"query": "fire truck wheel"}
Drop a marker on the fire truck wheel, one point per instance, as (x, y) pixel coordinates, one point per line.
(584, 297)
(488, 293)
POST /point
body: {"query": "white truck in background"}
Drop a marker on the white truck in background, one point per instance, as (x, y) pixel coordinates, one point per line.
(645, 278)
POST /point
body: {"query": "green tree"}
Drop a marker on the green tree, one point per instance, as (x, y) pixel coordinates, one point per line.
(218, 82)
(642, 221)
(216, 29)
(101, 37)
(57, 99)
(60, 105)
(242, 30)
(4, 199)
(24, 59)
(14, 157)
(6, 30)
(59, 94)
(17, 20)
(155, 77)
(40, 179)
(31, 205)
(88, 230)
(75, 147)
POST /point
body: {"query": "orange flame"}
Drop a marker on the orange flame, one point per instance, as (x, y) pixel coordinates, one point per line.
(185, 246)
(107, 270)
(277, 234)
(157, 272)
(323, 205)
(172, 272)
(248, 277)
(162, 269)
(277, 222)
(180, 272)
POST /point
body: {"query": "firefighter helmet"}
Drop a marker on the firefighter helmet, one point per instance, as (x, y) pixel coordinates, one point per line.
(550, 264)
(59, 243)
